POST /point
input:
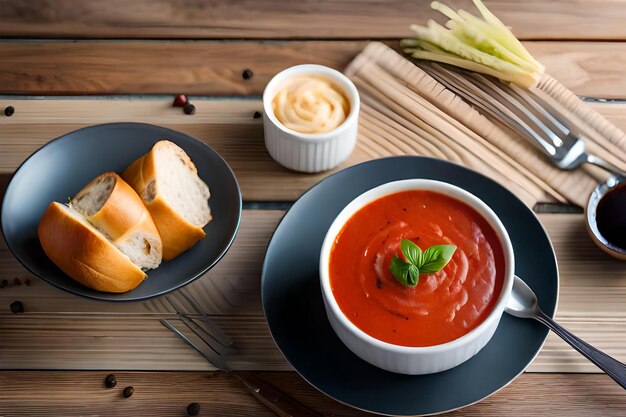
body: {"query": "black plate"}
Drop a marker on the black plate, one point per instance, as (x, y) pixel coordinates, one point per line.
(62, 167)
(292, 298)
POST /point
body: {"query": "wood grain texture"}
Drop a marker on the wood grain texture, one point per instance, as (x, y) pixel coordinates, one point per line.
(192, 67)
(168, 394)
(195, 19)
(226, 125)
(73, 333)
(126, 341)
(213, 68)
(577, 65)
(62, 331)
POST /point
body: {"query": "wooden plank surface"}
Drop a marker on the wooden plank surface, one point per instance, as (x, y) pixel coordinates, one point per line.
(73, 333)
(228, 126)
(168, 394)
(128, 342)
(199, 67)
(559, 19)
(592, 69)
(63, 331)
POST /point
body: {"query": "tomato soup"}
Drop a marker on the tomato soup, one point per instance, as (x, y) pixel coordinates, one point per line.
(443, 306)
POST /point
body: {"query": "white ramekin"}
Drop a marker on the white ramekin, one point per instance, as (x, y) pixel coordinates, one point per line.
(415, 360)
(310, 152)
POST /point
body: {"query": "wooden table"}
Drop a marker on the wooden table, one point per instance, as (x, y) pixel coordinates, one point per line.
(65, 64)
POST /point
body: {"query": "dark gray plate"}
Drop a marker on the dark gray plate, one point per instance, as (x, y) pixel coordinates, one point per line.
(62, 167)
(292, 298)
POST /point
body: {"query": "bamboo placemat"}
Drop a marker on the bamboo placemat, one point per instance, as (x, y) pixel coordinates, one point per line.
(405, 111)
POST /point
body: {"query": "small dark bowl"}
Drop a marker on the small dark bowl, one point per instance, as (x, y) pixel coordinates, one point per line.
(63, 166)
(598, 194)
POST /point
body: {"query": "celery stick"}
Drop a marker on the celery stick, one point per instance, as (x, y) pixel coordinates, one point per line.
(484, 45)
(513, 43)
(443, 39)
(473, 35)
(480, 41)
(507, 40)
(523, 79)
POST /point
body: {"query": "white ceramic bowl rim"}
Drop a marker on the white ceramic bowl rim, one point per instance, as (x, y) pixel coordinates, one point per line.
(335, 76)
(443, 188)
(596, 196)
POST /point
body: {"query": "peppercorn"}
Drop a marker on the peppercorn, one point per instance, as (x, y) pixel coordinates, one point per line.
(128, 391)
(110, 381)
(17, 307)
(256, 115)
(193, 409)
(9, 110)
(4, 283)
(247, 74)
(16, 281)
(189, 108)
(27, 282)
(180, 100)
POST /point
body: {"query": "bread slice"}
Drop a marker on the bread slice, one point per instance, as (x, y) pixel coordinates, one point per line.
(85, 254)
(168, 183)
(113, 207)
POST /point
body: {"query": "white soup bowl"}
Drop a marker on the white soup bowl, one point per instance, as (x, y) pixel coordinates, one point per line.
(405, 359)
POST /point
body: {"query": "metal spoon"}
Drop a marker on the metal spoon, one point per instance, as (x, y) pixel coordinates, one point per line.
(523, 303)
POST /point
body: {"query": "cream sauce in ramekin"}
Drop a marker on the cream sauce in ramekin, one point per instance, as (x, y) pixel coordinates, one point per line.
(310, 104)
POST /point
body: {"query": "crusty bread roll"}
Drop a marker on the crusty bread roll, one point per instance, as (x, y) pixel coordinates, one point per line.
(85, 254)
(113, 207)
(168, 183)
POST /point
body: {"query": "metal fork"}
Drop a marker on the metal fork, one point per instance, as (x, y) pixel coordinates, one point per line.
(217, 345)
(525, 112)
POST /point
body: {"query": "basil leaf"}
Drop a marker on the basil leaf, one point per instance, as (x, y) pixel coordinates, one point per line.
(419, 262)
(414, 275)
(400, 270)
(436, 258)
(430, 255)
(412, 252)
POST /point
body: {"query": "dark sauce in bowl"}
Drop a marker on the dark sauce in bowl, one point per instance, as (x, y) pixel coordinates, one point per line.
(611, 216)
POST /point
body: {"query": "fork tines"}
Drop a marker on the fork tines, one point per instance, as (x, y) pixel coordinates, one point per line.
(207, 330)
(523, 111)
(215, 358)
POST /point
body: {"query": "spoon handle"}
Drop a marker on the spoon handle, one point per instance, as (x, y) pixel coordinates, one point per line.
(607, 166)
(613, 368)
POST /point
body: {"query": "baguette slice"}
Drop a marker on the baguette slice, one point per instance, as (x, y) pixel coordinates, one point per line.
(167, 181)
(113, 207)
(85, 254)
